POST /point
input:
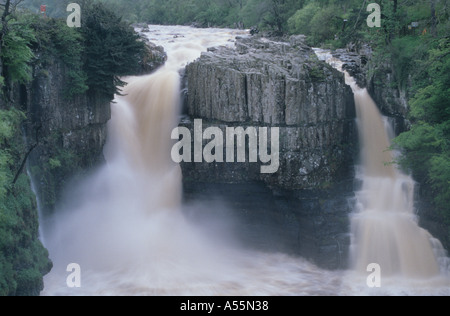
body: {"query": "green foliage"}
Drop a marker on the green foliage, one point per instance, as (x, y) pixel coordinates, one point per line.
(213, 15)
(54, 163)
(16, 53)
(6, 132)
(325, 25)
(431, 101)
(300, 22)
(404, 54)
(55, 39)
(252, 12)
(269, 14)
(55, 8)
(440, 181)
(23, 260)
(427, 144)
(97, 54)
(112, 49)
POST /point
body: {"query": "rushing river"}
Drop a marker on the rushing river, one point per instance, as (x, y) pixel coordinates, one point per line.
(124, 225)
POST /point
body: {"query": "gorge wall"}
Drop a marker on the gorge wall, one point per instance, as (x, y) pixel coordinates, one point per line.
(68, 133)
(268, 83)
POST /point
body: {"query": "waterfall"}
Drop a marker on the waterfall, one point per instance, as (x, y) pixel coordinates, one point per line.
(38, 205)
(124, 224)
(384, 225)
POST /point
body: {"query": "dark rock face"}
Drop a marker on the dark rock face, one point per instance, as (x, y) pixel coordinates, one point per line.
(302, 209)
(313, 224)
(154, 58)
(379, 80)
(354, 64)
(69, 132)
(265, 83)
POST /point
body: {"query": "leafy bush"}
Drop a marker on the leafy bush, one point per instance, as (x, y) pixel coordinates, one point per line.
(16, 53)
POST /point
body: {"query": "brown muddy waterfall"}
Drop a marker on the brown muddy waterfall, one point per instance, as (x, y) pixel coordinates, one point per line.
(124, 224)
(385, 228)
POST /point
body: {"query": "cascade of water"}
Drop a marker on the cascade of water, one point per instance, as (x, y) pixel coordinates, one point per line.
(124, 227)
(385, 229)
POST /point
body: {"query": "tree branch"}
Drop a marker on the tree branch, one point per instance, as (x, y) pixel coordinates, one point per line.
(25, 158)
(24, 161)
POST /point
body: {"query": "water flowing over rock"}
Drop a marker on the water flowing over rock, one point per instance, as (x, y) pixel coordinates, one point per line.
(154, 58)
(392, 98)
(379, 79)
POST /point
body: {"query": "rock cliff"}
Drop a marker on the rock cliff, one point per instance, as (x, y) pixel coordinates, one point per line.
(380, 81)
(266, 83)
(303, 208)
(69, 132)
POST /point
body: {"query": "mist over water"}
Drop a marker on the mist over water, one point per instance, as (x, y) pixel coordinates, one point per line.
(124, 225)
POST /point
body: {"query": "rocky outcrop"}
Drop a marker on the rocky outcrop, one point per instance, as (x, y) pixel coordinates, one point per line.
(282, 84)
(379, 79)
(303, 208)
(154, 58)
(388, 95)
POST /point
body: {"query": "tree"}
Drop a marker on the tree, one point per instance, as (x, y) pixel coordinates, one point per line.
(18, 54)
(112, 49)
(9, 8)
(279, 13)
(300, 22)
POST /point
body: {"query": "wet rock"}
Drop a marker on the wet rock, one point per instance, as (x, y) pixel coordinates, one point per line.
(379, 79)
(302, 209)
(268, 83)
(154, 57)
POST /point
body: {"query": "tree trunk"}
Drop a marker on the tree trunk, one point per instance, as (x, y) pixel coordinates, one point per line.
(3, 33)
(433, 18)
(4, 21)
